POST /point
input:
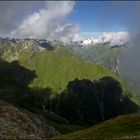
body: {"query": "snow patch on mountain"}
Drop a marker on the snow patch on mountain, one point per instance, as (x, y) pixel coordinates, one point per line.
(115, 38)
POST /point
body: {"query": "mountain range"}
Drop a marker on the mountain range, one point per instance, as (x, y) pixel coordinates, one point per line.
(100, 53)
(58, 55)
(67, 84)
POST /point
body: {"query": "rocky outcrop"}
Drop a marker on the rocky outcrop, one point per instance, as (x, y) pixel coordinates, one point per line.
(16, 123)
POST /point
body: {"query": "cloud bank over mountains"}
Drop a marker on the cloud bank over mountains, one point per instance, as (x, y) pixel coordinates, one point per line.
(46, 20)
(49, 22)
(115, 38)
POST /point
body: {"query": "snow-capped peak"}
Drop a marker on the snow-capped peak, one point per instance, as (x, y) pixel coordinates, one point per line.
(90, 41)
(114, 38)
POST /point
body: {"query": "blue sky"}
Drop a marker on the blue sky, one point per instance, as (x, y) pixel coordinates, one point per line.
(94, 16)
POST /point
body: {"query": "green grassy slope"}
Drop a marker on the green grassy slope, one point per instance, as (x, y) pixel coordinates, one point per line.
(122, 127)
(56, 68)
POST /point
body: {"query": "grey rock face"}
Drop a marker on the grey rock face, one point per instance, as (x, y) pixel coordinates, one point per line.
(16, 123)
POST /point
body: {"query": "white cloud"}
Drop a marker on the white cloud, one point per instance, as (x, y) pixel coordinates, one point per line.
(115, 38)
(49, 22)
(12, 12)
(66, 33)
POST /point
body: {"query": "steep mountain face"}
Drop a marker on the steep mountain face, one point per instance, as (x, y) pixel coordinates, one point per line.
(16, 123)
(56, 64)
(56, 68)
(10, 49)
(103, 54)
(100, 53)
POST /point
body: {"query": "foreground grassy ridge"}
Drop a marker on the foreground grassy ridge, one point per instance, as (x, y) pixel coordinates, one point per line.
(122, 127)
(56, 68)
